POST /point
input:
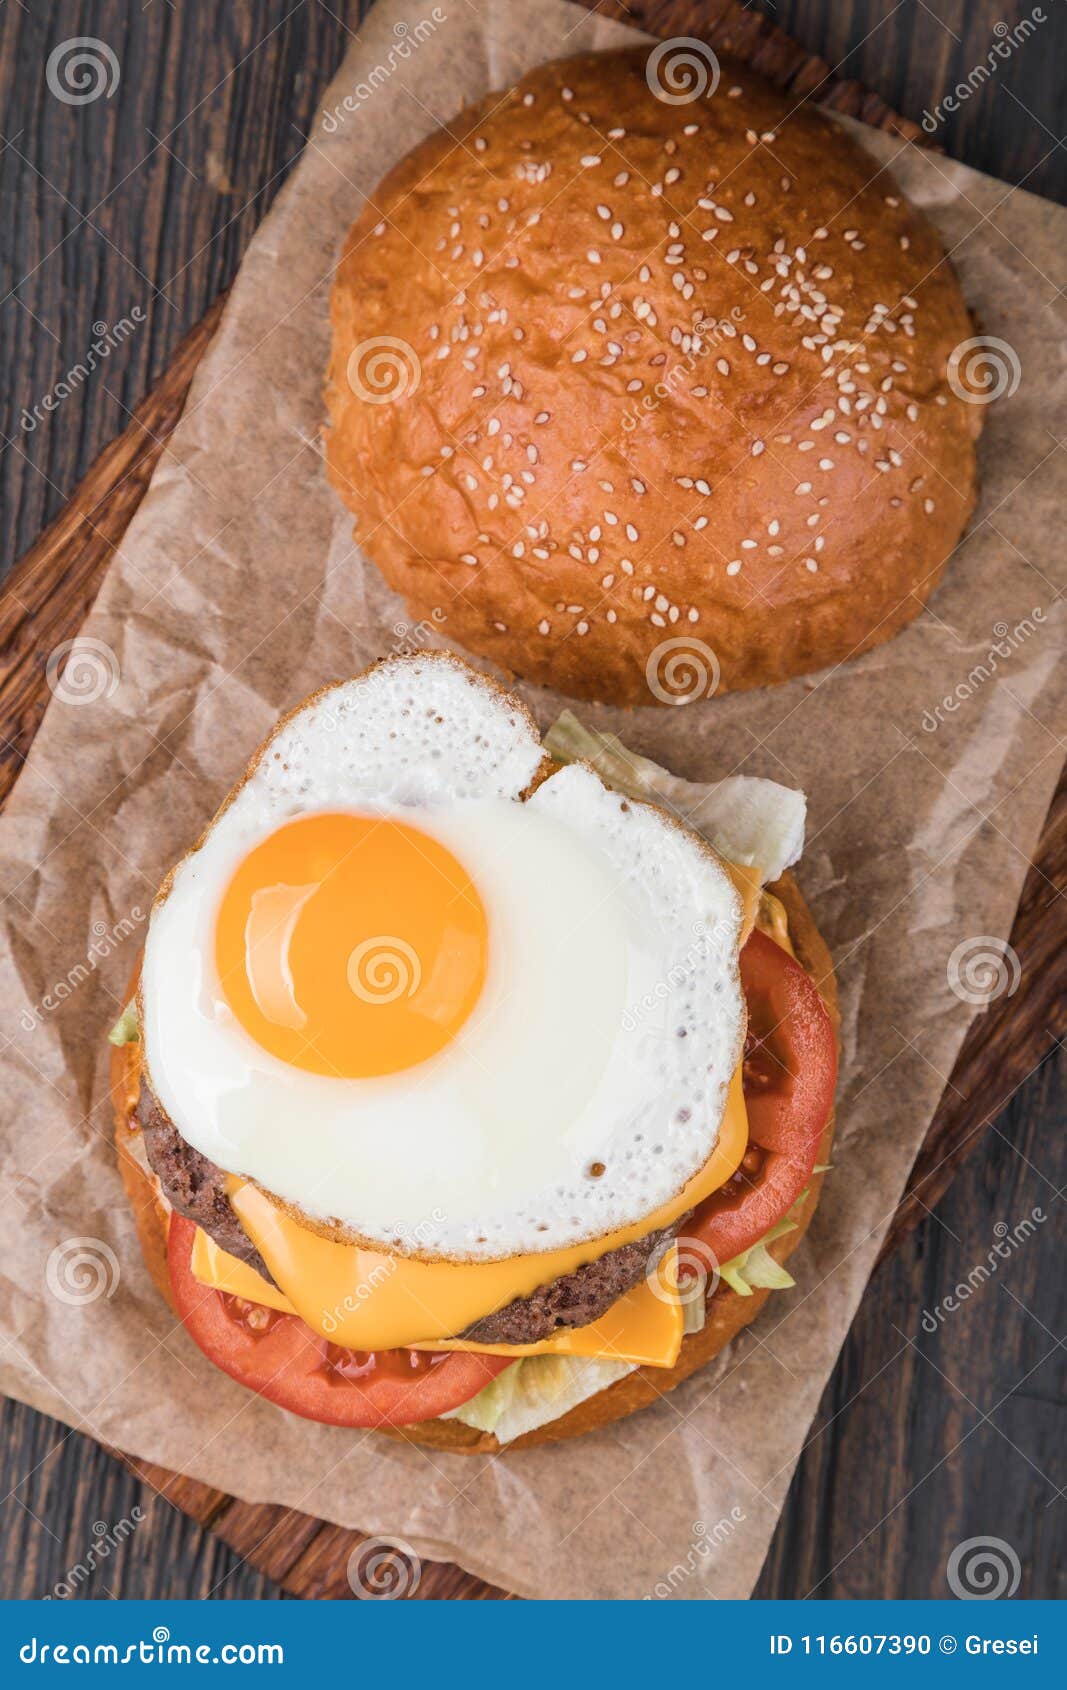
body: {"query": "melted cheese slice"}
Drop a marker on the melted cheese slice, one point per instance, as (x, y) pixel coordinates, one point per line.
(771, 919)
(748, 886)
(644, 1327)
(370, 1300)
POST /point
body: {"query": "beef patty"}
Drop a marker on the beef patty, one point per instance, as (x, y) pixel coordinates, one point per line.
(196, 1188)
(192, 1183)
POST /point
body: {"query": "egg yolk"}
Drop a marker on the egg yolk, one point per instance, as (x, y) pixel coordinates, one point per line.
(351, 945)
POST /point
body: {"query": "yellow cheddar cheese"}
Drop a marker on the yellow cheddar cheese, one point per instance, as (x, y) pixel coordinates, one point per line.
(645, 1326)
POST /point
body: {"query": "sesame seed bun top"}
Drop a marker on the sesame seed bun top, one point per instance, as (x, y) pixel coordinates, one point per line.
(615, 368)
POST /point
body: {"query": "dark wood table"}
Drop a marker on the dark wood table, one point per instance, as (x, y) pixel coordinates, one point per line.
(914, 1448)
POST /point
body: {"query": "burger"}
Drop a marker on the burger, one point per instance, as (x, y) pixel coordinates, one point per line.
(625, 362)
(474, 1088)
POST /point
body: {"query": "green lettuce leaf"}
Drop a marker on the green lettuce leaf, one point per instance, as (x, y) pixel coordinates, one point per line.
(748, 820)
(126, 1030)
(537, 1389)
(755, 1269)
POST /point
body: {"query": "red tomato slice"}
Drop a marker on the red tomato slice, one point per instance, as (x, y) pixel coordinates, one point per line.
(279, 1356)
(790, 1071)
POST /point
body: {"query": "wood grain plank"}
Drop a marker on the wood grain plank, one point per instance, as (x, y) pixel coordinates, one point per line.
(49, 593)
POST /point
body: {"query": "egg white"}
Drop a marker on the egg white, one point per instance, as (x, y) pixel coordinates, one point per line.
(607, 1031)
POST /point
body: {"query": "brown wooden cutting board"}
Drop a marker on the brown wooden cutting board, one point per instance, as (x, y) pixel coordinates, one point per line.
(50, 591)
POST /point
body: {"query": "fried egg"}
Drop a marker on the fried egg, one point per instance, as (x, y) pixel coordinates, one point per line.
(427, 989)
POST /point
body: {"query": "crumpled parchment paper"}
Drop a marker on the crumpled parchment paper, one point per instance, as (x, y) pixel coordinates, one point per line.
(929, 765)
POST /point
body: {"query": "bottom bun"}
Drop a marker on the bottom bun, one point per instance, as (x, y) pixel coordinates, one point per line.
(728, 1313)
